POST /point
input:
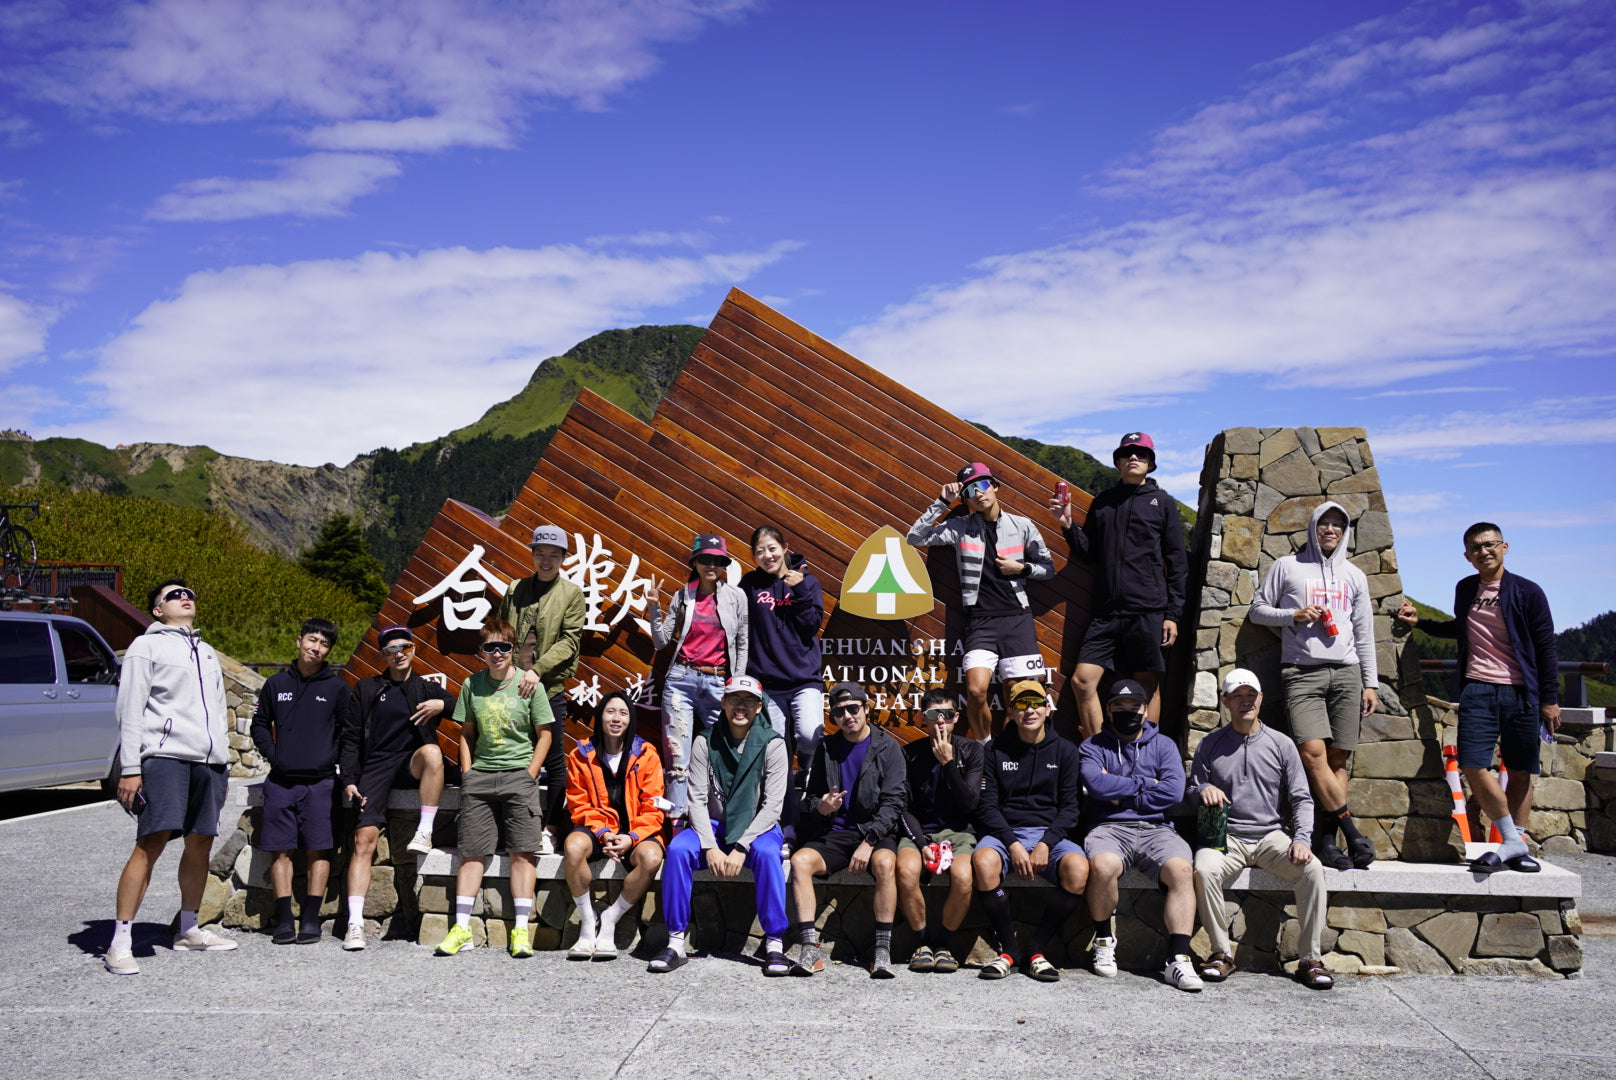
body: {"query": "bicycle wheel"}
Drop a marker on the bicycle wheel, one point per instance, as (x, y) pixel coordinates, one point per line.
(19, 559)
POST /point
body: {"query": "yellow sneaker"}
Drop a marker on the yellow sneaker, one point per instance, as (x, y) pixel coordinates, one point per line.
(459, 937)
(520, 948)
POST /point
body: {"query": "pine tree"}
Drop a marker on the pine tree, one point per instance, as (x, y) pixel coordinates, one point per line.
(341, 556)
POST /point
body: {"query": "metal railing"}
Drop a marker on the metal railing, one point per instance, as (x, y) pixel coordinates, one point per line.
(1576, 673)
(58, 578)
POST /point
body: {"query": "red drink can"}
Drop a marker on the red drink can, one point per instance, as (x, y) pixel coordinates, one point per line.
(1063, 493)
(1329, 623)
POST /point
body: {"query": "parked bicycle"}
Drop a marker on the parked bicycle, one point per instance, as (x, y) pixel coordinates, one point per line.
(19, 558)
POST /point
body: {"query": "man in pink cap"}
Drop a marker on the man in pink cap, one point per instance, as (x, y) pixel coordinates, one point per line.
(1134, 540)
(998, 552)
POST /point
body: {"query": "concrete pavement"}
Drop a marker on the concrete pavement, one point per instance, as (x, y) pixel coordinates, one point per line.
(394, 1010)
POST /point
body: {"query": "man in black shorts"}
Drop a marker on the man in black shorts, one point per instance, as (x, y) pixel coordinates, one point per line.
(851, 813)
(295, 729)
(998, 552)
(1134, 540)
(389, 740)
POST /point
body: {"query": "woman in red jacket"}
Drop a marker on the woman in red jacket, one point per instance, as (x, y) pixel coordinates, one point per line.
(614, 782)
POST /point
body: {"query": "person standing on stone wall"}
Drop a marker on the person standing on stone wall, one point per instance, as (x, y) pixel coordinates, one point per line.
(1133, 539)
(1508, 686)
(295, 729)
(548, 612)
(998, 553)
(1328, 667)
(175, 766)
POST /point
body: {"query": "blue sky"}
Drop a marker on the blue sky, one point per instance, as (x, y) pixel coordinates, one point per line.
(301, 230)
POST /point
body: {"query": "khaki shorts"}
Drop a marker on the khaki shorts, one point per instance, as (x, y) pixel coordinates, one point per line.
(964, 843)
(493, 802)
(1324, 702)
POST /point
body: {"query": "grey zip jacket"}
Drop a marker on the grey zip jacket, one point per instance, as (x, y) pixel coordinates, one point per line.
(1262, 775)
(1295, 581)
(1019, 539)
(171, 700)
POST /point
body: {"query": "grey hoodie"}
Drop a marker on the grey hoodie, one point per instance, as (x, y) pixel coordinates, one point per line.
(171, 700)
(1296, 581)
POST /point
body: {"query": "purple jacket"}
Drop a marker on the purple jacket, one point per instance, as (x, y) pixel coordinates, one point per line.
(1130, 781)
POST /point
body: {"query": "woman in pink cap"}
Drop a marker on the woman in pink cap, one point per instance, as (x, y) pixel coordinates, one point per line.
(706, 622)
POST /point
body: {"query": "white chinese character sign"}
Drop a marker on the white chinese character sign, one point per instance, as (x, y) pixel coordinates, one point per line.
(838, 457)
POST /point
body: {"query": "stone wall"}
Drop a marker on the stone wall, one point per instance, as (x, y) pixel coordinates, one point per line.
(241, 686)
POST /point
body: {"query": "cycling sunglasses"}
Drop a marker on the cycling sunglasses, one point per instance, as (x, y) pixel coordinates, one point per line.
(493, 648)
(940, 716)
(397, 647)
(178, 594)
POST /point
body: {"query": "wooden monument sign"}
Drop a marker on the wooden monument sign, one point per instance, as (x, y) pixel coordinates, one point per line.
(767, 423)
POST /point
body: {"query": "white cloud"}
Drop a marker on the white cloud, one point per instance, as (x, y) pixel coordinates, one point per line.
(317, 361)
(1375, 208)
(22, 331)
(1556, 422)
(318, 185)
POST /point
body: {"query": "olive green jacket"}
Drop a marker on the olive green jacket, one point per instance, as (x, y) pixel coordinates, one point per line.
(555, 622)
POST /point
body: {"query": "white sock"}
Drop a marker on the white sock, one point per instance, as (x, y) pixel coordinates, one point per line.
(428, 815)
(774, 944)
(122, 936)
(587, 930)
(463, 910)
(524, 908)
(676, 942)
(356, 911)
(608, 920)
(187, 921)
(1514, 844)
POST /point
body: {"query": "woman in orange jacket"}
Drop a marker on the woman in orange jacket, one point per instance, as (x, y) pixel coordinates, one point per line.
(614, 788)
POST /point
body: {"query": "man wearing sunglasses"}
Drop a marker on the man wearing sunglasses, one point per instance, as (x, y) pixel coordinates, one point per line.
(503, 741)
(944, 773)
(389, 740)
(852, 807)
(1507, 687)
(175, 763)
(998, 553)
(1134, 540)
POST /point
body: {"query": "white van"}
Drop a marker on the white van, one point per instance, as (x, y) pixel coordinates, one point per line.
(58, 702)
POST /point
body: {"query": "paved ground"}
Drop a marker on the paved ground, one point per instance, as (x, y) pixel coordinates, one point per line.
(396, 1011)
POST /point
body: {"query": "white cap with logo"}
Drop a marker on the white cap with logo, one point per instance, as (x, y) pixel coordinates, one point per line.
(1240, 677)
(550, 535)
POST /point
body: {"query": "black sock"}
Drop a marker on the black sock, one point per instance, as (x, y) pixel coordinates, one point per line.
(808, 933)
(933, 936)
(311, 911)
(1102, 927)
(283, 911)
(883, 935)
(1056, 911)
(1343, 818)
(1324, 828)
(997, 905)
(1178, 944)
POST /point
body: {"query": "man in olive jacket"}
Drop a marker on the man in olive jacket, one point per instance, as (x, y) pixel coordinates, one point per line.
(548, 612)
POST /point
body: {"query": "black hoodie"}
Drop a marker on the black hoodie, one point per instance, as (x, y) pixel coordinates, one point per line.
(295, 725)
(1134, 539)
(1030, 785)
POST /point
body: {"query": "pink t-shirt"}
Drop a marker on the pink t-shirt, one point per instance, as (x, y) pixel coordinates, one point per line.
(1491, 660)
(706, 644)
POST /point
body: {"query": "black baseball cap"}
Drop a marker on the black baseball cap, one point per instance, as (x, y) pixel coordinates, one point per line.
(847, 691)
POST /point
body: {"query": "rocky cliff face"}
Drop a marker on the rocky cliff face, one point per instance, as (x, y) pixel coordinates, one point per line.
(282, 506)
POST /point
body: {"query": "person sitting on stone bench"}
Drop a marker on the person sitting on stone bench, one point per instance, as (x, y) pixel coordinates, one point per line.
(738, 776)
(1031, 799)
(1508, 687)
(389, 740)
(614, 785)
(1328, 656)
(852, 809)
(1255, 776)
(504, 738)
(945, 789)
(1132, 775)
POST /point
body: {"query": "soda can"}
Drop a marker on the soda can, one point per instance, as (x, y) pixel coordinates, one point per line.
(1212, 827)
(1329, 623)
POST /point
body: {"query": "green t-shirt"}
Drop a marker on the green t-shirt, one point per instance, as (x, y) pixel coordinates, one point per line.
(507, 724)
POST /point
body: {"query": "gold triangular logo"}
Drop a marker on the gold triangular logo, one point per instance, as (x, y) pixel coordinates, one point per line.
(886, 579)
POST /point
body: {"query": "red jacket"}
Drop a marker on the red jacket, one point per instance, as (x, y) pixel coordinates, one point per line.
(642, 787)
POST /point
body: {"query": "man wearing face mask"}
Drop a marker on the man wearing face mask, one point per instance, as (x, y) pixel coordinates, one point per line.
(1257, 775)
(1132, 775)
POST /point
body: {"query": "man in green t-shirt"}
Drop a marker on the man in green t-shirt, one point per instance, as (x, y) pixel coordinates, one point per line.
(503, 739)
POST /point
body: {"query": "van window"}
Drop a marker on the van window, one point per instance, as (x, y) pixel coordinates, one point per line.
(25, 652)
(86, 659)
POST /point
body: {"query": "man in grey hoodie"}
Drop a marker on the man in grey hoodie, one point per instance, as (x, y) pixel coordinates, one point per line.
(1328, 656)
(175, 765)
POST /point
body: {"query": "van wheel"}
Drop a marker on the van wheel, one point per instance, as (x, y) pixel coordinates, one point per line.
(109, 782)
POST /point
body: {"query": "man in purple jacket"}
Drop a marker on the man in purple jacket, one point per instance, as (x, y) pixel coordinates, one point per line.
(1508, 683)
(1132, 774)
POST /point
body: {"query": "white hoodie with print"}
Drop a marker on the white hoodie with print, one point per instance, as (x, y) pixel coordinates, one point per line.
(171, 700)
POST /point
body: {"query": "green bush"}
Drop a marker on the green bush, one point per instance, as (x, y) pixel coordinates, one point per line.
(250, 602)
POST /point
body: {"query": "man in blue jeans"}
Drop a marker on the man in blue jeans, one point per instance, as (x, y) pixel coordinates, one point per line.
(1508, 683)
(738, 777)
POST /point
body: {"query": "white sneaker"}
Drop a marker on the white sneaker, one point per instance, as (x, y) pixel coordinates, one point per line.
(421, 842)
(546, 843)
(122, 962)
(582, 949)
(1180, 972)
(200, 940)
(354, 939)
(1105, 956)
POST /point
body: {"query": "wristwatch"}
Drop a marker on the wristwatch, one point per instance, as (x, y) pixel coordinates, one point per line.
(742, 848)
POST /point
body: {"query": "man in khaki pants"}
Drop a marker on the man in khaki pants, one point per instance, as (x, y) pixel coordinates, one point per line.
(1253, 771)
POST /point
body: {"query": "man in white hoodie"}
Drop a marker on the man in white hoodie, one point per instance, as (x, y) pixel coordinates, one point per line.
(175, 765)
(1328, 668)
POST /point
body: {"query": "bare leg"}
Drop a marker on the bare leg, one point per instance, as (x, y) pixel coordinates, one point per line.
(1321, 777)
(1338, 768)
(647, 860)
(1086, 687)
(959, 894)
(194, 870)
(575, 862)
(805, 863)
(136, 876)
(1105, 869)
(319, 873)
(470, 877)
(1179, 911)
(364, 852)
(280, 874)
(883, 867)
(426, 765)
(524, 875)
(910, 896)
(978, 717)
(986, 869)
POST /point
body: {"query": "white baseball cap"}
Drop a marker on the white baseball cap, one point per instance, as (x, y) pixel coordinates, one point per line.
(744, 684)
(1240, 677)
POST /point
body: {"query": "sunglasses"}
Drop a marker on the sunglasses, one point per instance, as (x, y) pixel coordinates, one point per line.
(1028, 702)
(493, 648)
(178, 594)
(712, 560)
(940, 716)
(396, 648)
(976, 487)
(847, 710)
(1133, 452)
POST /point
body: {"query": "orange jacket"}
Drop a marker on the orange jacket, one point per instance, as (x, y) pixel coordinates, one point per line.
(642, 787)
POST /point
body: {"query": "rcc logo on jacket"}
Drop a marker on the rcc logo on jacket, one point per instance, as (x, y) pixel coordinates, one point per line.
(1009, 766)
